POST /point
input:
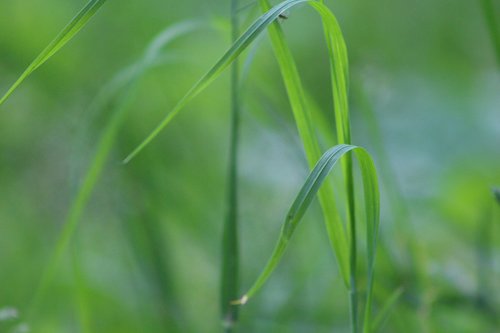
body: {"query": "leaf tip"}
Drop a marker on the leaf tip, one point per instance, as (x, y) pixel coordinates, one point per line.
(242, 301)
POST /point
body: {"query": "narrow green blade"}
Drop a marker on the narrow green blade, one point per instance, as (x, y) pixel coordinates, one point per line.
(306, 195)
(223, 63)
(303, 119)
(73, 27)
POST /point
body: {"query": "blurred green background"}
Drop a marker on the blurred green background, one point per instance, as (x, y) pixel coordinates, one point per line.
(425, 102)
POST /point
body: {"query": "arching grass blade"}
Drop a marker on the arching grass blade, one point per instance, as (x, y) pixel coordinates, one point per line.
(73, 27)
(223, 63)
(303, 200)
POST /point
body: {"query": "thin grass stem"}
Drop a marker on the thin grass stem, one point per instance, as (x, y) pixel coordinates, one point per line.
(230, 244)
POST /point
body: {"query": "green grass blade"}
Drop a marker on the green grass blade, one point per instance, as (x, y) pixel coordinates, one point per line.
(73, 27)
(385, 312)
(223, 63)
(339, 72)
(298, 102)
(123, 92)
(229, 287)
(303, 200)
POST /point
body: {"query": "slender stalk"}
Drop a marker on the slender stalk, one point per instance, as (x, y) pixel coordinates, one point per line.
(230, 250)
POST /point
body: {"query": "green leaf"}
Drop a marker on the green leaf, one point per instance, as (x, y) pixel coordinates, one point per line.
(73, 27)
(303, 119)
(234, 51)
(306, 195)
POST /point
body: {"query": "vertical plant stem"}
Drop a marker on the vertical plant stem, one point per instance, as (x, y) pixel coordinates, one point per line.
(230, 249)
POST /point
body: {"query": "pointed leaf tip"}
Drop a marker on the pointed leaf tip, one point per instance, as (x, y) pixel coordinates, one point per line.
(242, 301)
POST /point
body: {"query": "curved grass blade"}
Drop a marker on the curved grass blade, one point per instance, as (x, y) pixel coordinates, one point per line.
(307, 193)
(73, 27)
(121, 89)
(339, 72)
(223, 63)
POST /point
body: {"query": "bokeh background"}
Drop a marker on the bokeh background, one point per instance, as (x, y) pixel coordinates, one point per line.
(425, 101)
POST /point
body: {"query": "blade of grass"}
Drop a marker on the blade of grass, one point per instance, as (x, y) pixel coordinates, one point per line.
(229, 288)
(303, 200)
(125, 92)
(298, 103)
(73, 27)
(339, 72)
(292, 81)
(346, 255)
(215, 71)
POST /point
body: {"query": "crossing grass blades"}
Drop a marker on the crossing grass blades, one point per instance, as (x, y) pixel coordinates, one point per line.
(343, 235)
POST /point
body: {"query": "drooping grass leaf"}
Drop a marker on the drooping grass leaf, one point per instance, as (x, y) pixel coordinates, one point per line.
(339, 72)
(307, 193)
(73, 27)
(305, 127)
(339, 69)
(340, 79)
(223, 63)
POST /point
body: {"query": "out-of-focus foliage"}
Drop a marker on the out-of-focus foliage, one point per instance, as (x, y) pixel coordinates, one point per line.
(145, 257)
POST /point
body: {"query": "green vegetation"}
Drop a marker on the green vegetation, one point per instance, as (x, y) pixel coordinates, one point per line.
(187, 220)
